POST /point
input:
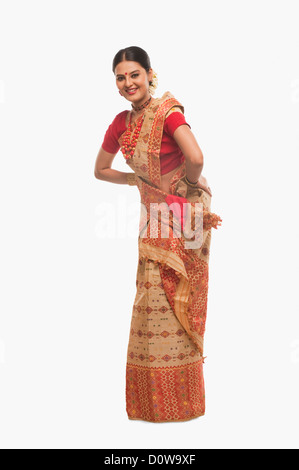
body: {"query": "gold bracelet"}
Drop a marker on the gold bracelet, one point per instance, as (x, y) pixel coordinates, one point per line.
(131, 179)
(193, 185)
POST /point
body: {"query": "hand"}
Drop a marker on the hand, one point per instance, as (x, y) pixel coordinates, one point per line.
(203, 184)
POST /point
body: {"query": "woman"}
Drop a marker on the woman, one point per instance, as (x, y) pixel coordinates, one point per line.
(164, 373)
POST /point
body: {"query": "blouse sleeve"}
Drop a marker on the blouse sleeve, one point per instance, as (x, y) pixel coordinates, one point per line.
(110, 143)
(175, 119)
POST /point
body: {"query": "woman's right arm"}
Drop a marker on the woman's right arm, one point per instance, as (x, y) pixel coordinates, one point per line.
(104, 172)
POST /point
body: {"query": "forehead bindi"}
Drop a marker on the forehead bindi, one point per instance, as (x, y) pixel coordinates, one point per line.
(127, 73)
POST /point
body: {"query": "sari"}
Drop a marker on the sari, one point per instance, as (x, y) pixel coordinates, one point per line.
(164, 368)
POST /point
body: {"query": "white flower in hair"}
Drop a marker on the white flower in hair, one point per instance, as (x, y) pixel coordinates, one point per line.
(154, 83)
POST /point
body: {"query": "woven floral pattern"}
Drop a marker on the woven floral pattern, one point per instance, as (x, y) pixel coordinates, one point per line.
(164, 371)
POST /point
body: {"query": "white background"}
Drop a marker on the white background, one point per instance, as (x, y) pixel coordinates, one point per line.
(67, 289)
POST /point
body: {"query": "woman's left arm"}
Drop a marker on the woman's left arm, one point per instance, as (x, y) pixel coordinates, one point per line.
(185, 139)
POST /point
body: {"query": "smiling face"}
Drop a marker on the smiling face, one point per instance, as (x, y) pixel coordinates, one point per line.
(133, 81)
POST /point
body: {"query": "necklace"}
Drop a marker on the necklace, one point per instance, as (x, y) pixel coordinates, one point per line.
(138, 108)
(128, 144)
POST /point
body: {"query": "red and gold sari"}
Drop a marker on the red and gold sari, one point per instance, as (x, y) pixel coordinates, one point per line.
(164, 371)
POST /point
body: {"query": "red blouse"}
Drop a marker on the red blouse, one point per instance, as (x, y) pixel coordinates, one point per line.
(171, 155)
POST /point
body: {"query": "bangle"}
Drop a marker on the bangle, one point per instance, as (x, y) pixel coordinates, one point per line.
(193, 185)
(131, 179)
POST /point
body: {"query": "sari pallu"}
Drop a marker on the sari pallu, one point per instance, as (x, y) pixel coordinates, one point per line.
(164, 369)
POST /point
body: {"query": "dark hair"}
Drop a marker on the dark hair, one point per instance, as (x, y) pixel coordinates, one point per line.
(134, 53)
